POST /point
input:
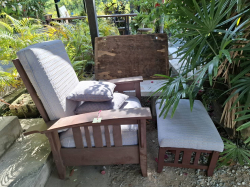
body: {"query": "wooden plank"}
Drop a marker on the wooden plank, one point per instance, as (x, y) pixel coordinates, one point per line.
(31, 90)
(107, 136)
(101, 156)
(92, 19)
(126, 80)
(131, 55)
(87, 136)
(109, 117)
(143, 147)
(117, 134)
(97, 136)
(197, 157)
(212, 163)
(56, 151)
(186, 157)
(177, 155)
(98, 16)
(78, 137)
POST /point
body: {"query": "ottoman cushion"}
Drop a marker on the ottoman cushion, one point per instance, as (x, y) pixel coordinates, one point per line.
(192, 130)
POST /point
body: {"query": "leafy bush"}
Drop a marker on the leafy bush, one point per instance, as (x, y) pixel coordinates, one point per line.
(214, 36)
(23, 8)
(18, 34)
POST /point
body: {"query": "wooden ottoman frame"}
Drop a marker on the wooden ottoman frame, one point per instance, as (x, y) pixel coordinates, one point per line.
(187, 153)
(98, 155)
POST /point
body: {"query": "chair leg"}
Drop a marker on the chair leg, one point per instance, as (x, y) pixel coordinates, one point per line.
(55, 148)
(143, 147)
(161, 159)
(212, 163)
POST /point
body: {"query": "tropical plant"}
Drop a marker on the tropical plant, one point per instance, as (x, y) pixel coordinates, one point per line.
(7, 79)
(18, 34)
(23, 8)
(215, 37)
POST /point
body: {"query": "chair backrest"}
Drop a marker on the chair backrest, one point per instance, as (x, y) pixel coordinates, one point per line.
(131, 55)
(49, 69)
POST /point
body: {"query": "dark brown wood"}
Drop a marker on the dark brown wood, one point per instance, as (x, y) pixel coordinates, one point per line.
(117, 134)
(213, 161)
(31, 90)
(131, 55)
(143, 147)
(56, 151)
(161, 154)
(186, 159)
(177, 155)
(107, 136)
(197, 157)
(97, 136)
(78, 137)
(101, 156)
(100, 16)
(87, 136)
(111, 117)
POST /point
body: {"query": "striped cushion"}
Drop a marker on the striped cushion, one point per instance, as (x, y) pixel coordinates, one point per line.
(192, 130)
(49, 69)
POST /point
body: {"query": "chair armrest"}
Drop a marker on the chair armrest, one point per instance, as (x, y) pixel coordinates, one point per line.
(129, 83)
(109, 117)
(126, 80)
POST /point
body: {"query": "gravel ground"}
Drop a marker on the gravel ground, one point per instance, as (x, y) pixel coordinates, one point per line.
(129, 175)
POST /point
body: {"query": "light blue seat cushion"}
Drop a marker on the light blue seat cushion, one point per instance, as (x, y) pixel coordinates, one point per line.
(129, 132)
(49, 69)
(192, 130)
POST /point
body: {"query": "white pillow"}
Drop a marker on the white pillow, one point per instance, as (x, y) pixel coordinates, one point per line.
(95, 91)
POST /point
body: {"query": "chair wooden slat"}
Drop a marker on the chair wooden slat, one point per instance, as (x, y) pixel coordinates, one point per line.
(177, 154)
(78, 137)
(197, 157)
(97, 136)
(87, 136)
(117, 135)
(107, 136)
(187, 157)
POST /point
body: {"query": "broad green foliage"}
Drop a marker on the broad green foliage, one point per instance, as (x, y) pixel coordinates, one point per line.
(23, 8)
(215, 37)
(233, 153)
(18, 34)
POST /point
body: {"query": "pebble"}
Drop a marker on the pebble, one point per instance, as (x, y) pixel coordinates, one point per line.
(238, 184)
(243, 183)
(233, 171)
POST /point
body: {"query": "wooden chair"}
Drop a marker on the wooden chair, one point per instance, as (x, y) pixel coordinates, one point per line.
(80, 154)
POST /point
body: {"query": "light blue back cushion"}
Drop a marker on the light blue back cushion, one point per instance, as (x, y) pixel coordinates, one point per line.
(49, 69)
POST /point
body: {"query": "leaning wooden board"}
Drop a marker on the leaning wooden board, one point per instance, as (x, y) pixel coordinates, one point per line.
(131, 55)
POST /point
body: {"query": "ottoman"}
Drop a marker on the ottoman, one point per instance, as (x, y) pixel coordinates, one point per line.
(188, 135)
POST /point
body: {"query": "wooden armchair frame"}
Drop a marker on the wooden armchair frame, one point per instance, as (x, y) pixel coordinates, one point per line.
(98, 155)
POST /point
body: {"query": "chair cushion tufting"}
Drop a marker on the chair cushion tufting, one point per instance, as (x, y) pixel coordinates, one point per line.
(193, 130)
(50, 71)
(129, 132)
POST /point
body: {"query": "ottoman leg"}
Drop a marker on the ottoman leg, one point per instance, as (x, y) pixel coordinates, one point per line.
(161, 159)
(212, 164)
